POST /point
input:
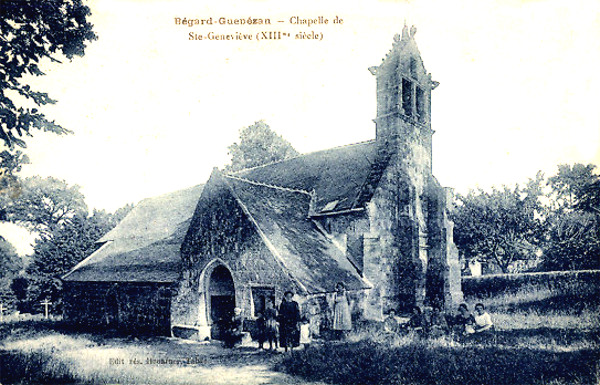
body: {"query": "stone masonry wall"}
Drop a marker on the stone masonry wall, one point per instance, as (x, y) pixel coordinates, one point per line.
(129, 308)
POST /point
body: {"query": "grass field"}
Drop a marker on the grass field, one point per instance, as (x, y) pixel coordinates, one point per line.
(543, 336)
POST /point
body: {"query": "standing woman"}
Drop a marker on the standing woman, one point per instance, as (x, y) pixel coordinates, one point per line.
(342, 319)
(289, 322)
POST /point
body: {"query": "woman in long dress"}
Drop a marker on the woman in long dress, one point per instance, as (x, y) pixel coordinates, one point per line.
(342, 319)
(289, 322)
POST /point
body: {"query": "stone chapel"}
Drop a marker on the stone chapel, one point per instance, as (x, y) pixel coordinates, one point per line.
(370, 215)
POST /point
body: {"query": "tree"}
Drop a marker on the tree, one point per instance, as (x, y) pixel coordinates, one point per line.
(10, 265)
(501, 227)
(43, 204)
(10, 262)
(10, 186)
(589, 198)
(258, 145)
(66, 246)
(29, 32)
(571, 183)
(573, 237)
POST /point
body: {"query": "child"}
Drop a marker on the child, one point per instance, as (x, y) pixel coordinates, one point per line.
(270, 317)
(305, 335)
(261, 326)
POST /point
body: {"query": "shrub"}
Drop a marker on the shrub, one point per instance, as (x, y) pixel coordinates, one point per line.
(582, 281)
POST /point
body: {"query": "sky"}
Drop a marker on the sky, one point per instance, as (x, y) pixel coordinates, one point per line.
(153, 112)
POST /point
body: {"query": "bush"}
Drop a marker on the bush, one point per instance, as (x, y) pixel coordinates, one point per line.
(582, 281)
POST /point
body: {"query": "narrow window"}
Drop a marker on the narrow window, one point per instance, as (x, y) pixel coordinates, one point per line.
(420, 104)
(413, 66)
(407, 97)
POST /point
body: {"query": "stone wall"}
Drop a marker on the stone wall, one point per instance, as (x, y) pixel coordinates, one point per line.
(128, 308)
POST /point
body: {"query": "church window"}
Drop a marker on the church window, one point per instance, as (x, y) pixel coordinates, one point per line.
(413, 66)
(420, 104)
(407, 97)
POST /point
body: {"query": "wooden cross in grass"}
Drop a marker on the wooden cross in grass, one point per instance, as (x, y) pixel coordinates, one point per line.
(46, 303)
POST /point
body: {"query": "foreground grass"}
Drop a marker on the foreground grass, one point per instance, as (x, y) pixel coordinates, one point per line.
(367, 362)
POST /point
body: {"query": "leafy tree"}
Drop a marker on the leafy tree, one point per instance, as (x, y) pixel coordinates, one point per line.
(10, 265)
(10, 186)
(43, 204)
(573, 237)
(589, 198)
(66, 246)
(573, 242)
(258, 145)
(571, 184)
(10, 262)
(30, 31)
(501, 227)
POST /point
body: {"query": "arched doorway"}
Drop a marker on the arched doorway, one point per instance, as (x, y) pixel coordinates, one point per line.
(221, 300)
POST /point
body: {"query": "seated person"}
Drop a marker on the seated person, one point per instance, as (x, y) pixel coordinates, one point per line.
(391, 323)
(233, 332)
(437, 323)
(482, 319)
(464, 321)
(417, 322)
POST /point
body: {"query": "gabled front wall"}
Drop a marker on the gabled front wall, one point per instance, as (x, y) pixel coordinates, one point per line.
(222, 234)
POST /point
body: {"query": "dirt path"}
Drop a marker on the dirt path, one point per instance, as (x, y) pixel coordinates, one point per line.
(153, 361)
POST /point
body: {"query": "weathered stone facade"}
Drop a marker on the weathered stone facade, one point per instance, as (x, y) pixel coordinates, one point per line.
(223, 236)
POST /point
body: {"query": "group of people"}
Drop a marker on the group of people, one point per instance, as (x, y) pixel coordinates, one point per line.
(286, 327)
(436, 323)
(283, 326)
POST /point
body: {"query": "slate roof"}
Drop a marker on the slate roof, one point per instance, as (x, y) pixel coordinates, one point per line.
(338, 174)
(309, 256)
(145, 245)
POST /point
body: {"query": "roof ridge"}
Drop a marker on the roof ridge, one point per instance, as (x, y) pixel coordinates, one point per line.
(267, 185)
(301, 155)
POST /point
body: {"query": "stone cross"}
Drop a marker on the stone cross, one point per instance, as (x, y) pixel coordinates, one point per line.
(46, 303)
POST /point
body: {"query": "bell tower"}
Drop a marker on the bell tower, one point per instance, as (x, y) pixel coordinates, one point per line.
(413, 256)
(404, 100)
